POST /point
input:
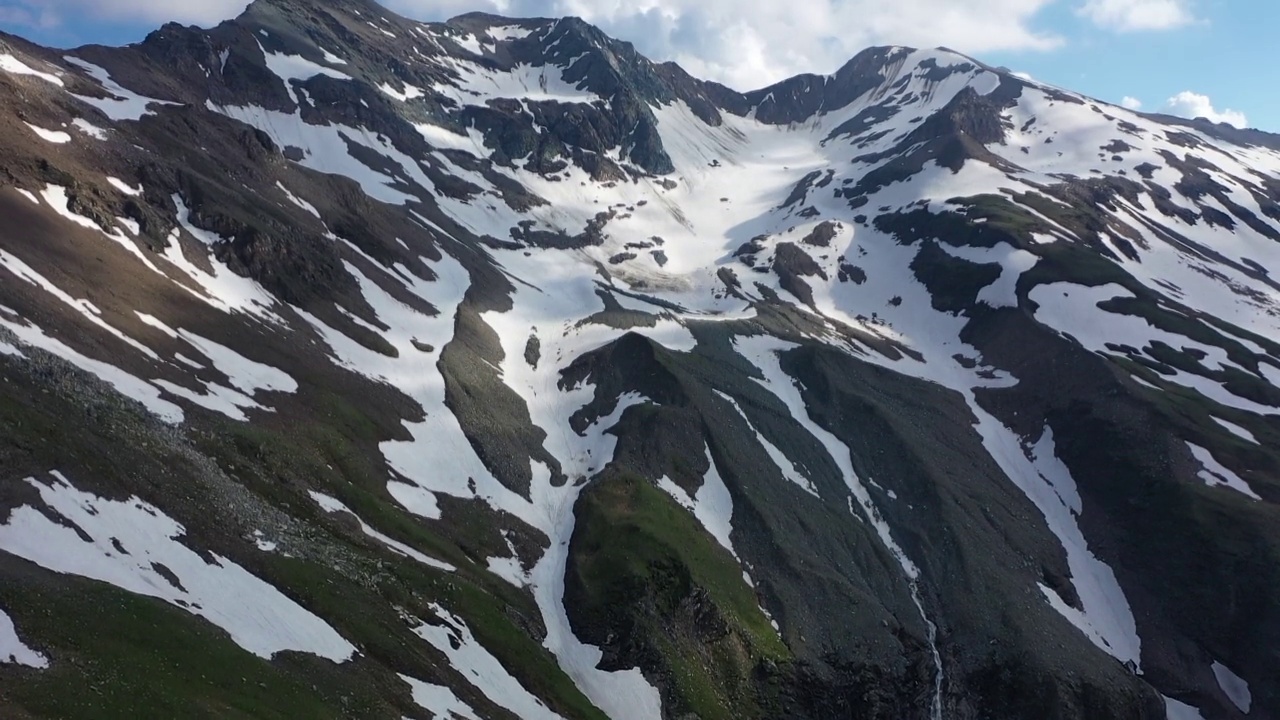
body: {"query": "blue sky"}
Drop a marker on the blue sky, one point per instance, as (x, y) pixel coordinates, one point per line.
(1188, 57)
(1228, 54)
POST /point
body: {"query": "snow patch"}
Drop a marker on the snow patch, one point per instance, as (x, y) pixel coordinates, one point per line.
(508, 32)
(15, 652)
(788, 469)
(1176, 710)
(121, 103)
(257, 616)
(480, 668)
(409, 93)
(85, 308)
(711, 505)
(762, 351)
(1105, 618)
(476, 84)
(222, 288)
(124, 383)
(472, 141)
(1236, 430)
(295, 67)
(245, 374)
(11, 64)
(1013, 262)
(331, 58)
(124, 187)
(1073, 311)
(297, 200)
(1215, 473)
(1234, 687)
(333, 505)
(57, 137)
(439, 700)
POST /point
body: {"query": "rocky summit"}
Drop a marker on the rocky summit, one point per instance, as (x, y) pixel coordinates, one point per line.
(356, 367)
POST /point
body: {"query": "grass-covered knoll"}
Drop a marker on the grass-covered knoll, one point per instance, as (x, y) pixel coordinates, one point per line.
(645, 573)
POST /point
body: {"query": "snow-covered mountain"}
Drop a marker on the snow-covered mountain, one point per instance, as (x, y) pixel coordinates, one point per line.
(360, 367)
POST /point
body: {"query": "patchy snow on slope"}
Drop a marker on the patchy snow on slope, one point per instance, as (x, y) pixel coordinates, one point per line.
(762, 352)
(472, 141)
(331, 58)
(56, 196)
(7, 349)
(480, 668)
(1073, 310)
(1013, 262)
(218, 398)
(15, 652)
(549, 316)
(11, 64)
(510, 568)
(222, 288)
(248, 375)
(325, 149)
(1215, 473)
(784, 464)
(504, 33)
(333, 505)
(1176, 710)
(1234, 687)
(1105, 616)
(415, 499)
(711, 504)
(134, 546)
(439, 700)
(245, 374)
(297, 200)
(124, 187)
(295, 67)
(468, 42)
(475, 84)
(439, 458)
(83, 307)
(261, 542)
(410, 92)
(122, 104)
(1236, 430)
(126, 384)
(57, 137)
(624, 695)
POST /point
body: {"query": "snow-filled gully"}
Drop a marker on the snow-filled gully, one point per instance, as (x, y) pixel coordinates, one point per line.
(440, 459)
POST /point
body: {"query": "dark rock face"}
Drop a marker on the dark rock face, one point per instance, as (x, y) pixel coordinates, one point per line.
(839, 455)
(801, 97)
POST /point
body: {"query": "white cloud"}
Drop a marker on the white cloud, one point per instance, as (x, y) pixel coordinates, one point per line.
(743, 43)
(1131, 103)
(751, 43)
(1136, 15)
(51, 12)
(1194, 105)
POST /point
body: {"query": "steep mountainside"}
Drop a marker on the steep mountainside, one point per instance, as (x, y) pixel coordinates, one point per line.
(359, 367)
